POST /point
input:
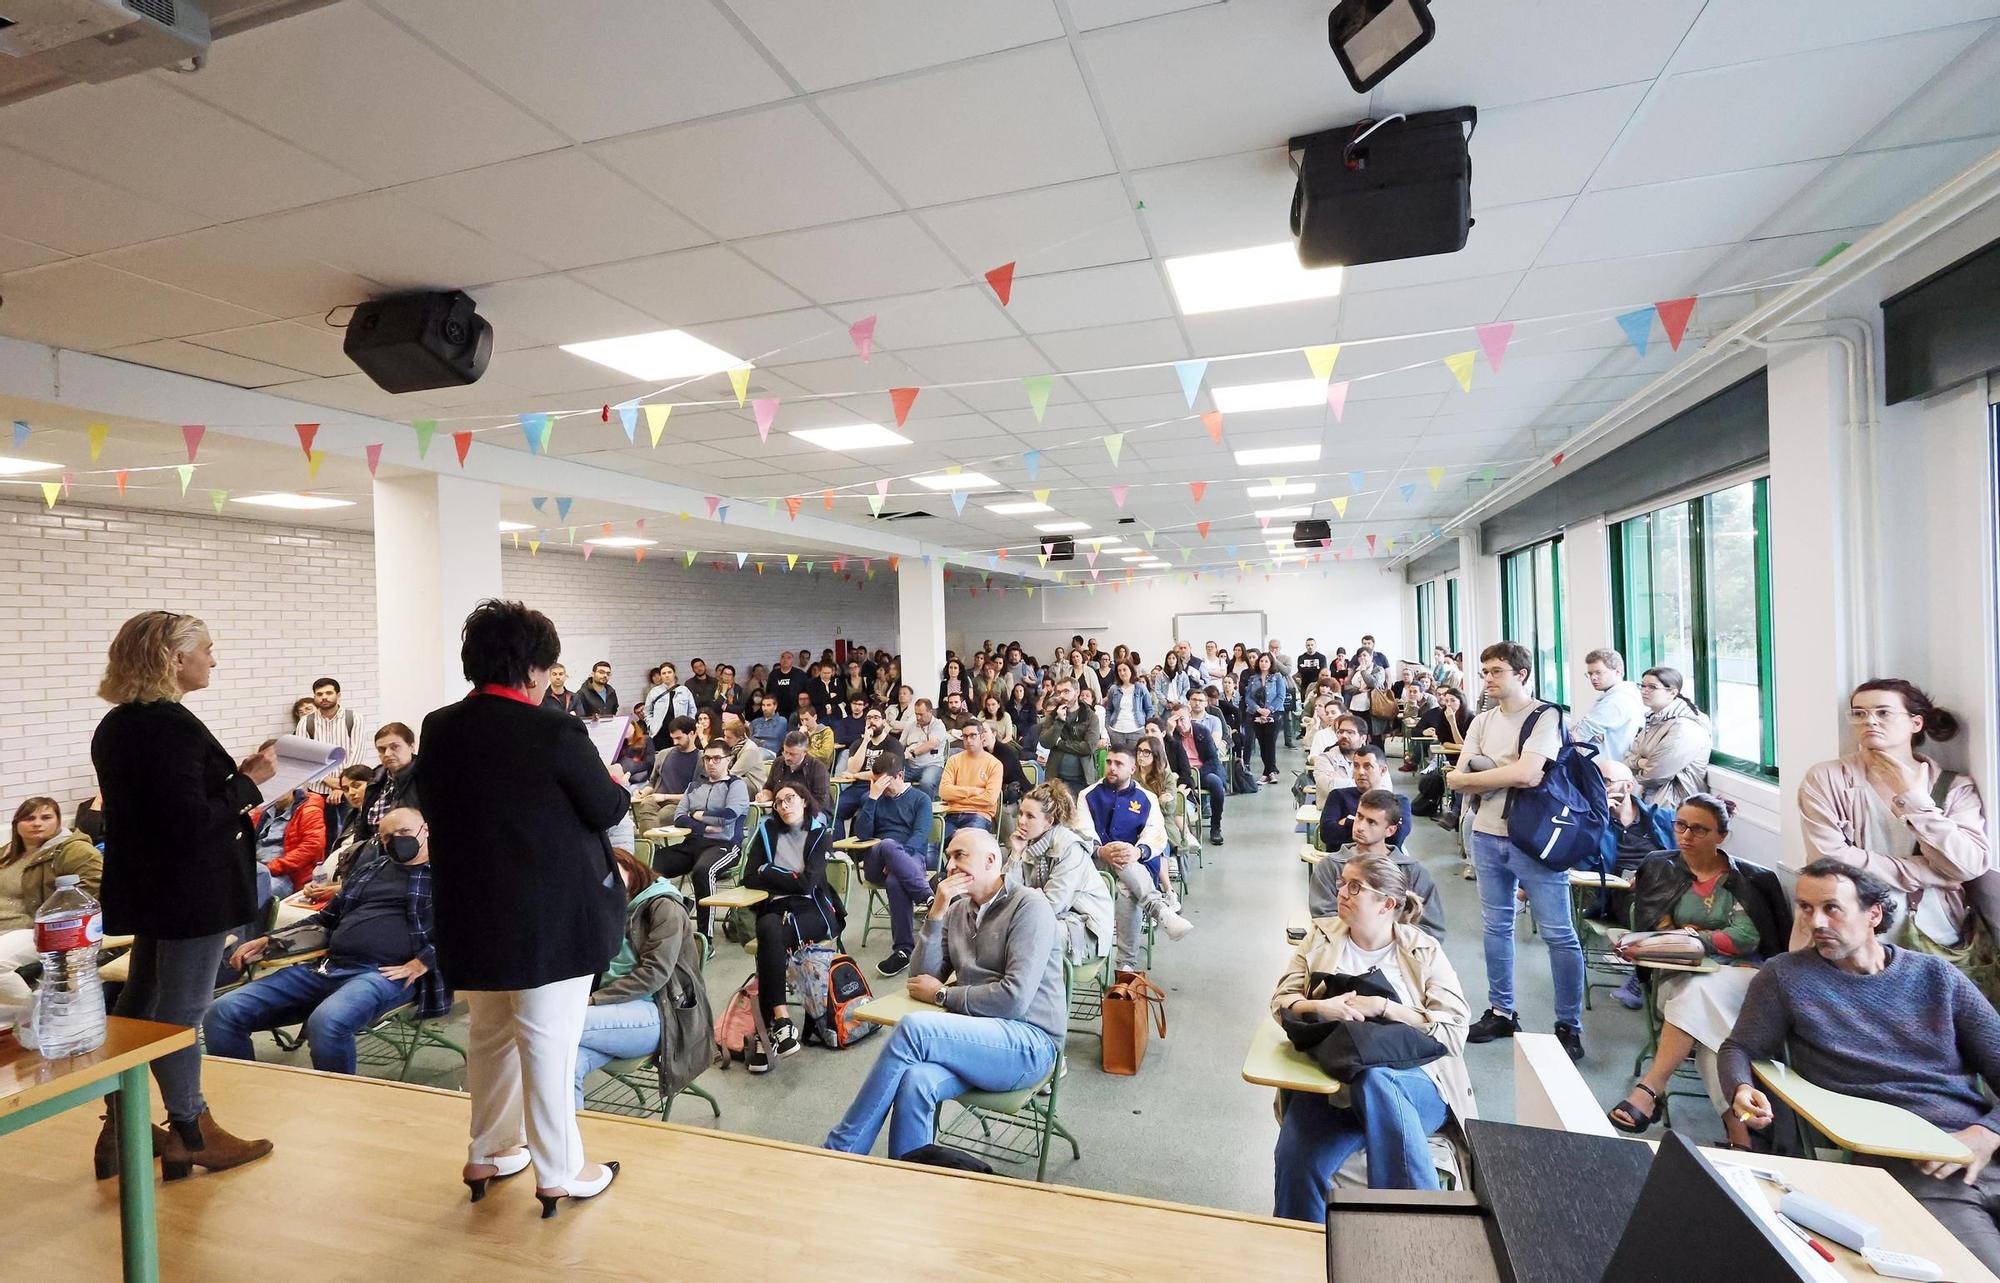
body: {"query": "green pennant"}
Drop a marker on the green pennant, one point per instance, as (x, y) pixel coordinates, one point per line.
(423, 429)
(1114, 445)
(1038, 386)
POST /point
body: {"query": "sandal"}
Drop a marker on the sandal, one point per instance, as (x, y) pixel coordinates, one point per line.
(1632, 1123)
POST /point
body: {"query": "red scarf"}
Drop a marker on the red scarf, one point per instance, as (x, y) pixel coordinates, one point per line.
(514, 693)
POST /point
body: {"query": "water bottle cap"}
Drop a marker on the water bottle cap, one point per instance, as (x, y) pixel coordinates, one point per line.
(68, 880)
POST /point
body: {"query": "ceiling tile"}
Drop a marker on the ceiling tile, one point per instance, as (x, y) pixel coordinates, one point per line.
(305, 345)
(1958, 103)
(68, 211)
(1257, 329)
(89, 307)
(562, 208)
(545, 370)
(536, 311)
(961, 315)
(1806, 105)
(692, 285)
(1089, 15)
(824, 47)
(204, 363)
(1754, 29)
(1046, 230)
(866, 259)
(389, 239)
(353, 392)
(251, 264)
(1871, 187)
(1114, 295)
(139, 134)
(1619, 283)
(15, 255)
(1223, 202)
(1513, 160)
(1103, 346)
(624, 66)
(763, 171)
(942, 136)
(807, 334)
(1713, 209)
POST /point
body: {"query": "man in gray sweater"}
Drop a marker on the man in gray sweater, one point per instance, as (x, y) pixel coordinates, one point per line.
(1885, 1023)
(990, 959)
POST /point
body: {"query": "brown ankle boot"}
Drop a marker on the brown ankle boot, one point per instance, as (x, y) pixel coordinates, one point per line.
(212, 1147)
(105, 1157)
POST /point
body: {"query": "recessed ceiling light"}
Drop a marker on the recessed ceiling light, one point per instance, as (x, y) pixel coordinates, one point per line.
(1298, 510)
(1136, 556)
(292, 501)
(1276, 490)
(1018, 509)
(1254, 277)
(1287, 394)
(622, 541)
(505, 526)
(1277, 454)
(22, 467)
(853, 436)
(663, 354)
(1062, 527)
(956, 481)
(1104, 541)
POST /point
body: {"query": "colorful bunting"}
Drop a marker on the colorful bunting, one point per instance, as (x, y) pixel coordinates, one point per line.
(1321, 359)
(186, 473)
(1212, 420)
(1197, 489)
(1486, 474)
(121, 482)
(1356, 480)
(1150, 536)
(462, 441)
(1001, 279)
(20, 432)
(741, 557)
(638, 555)
(1042, 496)
(562, 509)
(217, 498)
(587, 550)
(958, 498)
(766, 410)
(1032, 461)
(713, 502)
(423, 428)
(1340, 506)
(1201, 528)
(374, 453)
(534, 427)
(875, 504)
(534, 547)
(1114, 445)
(313, 459)
(1558, 460)
(540, 502)
(1371, 543)
(739, 379)
(1336, 400)
(1408, 490)
(1638, 327)
(628, 418)
(98, 432)
(1436, 474)
(791, 562)
(1493, 340)
(1118, 495)
(882, 488)
(1460, 365)
(862, 332)
(1038, 386)
(902, 399)
(306, 431)
(656, 421)
(50, 490)
(1674, 314)
(1191, 373)
(192, 434)
(826, 497)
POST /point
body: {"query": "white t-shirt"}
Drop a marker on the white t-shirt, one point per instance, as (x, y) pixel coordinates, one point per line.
(1356, 961)
(1496, 733)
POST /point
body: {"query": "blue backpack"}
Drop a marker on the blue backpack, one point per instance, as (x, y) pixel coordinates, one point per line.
(1561, 821)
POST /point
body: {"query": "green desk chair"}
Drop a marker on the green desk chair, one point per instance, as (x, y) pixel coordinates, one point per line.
(396, 1038)
(1011, 1126)
(1103, 756)
(632, 1086)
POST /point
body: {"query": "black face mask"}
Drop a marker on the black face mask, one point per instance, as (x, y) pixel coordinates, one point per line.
(402, 848)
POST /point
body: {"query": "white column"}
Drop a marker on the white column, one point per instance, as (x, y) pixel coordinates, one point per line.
(437, 555)
(920, 613)
(1586, 604)
(1478, 602)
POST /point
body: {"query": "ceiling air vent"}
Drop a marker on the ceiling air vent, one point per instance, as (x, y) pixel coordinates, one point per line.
(914, 514)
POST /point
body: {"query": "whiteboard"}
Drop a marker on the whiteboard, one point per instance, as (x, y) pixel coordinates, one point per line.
(1225, 628)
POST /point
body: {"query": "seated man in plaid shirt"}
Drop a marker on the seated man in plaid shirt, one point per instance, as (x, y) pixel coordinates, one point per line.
(377, 937)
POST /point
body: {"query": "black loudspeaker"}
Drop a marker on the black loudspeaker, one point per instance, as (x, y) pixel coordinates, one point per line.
(1375, 191)
(1307, 534)
(411, 342)
(1061, 548)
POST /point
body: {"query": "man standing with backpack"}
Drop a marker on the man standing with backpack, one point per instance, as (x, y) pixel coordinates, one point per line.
(1508, 749)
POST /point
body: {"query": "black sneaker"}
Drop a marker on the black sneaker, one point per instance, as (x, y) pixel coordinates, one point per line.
(1571, 1037)
(756, 1059)
(785, 1036)
(893, 965)
(1494, 1024)
(1215, 839)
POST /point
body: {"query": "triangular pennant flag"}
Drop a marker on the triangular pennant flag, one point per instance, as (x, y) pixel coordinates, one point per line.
(1336, 400)
(766, 410)
(98, 432)
(771, 505)
(638, 555)
(1118, 495)
(739, 380)
(875, 505)
(50, 490)
(1674, 314)
(1031, 591)
(1436, 474)
(121, 481)
(690, 554)
(656, 421)
(1340, 506)
(423, 428)
(1493, 340)
(1091, 556)
(628, 417)
(374, 453)
(902, 399)
(862, 332)
(1114, 445)
(839, 564)
(882, 488)
(826, 497)
(1191, 373)
(1032, 461)
(217, 498)
(1042, 496)
(534, 547)
(186, 473)
(517, 537)
(531, 429)
(1325, 543)
(1371, 543)
(1321, 359)
(1408, 490)
(541, 502)
(1047, 547)
(1038, 386)
(313, 460)
(570, 531)
(1150, 536)
(306, 431)
(791, 561)
(1356, 480)
(741, 557)
(1460, 365)
(1197, 489)
(713, 501)
(1001, 279)
(1201, 528)
(1263, 523)
(1638, 327)
(548, 431)
(1833, 253)
(958, 502)
(462, 441)
(1212, 420)
(895, 563)
(587, 550)
(20, 432)
(192, 434)
(604, 528)
(1557, 461)
(562, 509)
(1486, 474)
(1043, 558)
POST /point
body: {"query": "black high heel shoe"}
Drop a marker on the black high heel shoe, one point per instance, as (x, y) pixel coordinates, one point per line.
(550, 1201)
(504, 1166)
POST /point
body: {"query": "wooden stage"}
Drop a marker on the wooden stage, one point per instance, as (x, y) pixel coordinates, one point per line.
(364, 1186)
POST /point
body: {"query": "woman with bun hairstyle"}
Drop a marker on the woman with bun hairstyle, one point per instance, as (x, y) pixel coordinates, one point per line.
(1889, 809)
(1669, 755)
(1739, 914)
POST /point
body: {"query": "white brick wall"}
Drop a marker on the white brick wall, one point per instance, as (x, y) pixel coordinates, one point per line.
(285, 604)
(662, 608)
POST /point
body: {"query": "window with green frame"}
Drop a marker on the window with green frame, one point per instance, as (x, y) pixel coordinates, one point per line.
(1691, 589)
(1531, 612)
(1451, 642)
(1426, 619)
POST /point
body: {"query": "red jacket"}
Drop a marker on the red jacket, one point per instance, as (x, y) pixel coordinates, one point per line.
(305, 845)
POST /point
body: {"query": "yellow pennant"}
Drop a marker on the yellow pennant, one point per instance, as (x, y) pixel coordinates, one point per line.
(50, 489)
(1340, 505)
(98, 432)
(1321, 359)
(656, 420)
(534, 547)
(1041, 496)
(1437, 477)
(313, 459)
(1460, 364)
(739, 378)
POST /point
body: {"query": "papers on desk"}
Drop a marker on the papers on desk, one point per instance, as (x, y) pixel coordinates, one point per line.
(608, 733)
(1748, 1192)
(301, 761)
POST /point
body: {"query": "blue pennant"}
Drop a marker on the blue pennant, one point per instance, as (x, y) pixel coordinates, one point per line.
(562, 509)
(1638, 327)
(1191, 373)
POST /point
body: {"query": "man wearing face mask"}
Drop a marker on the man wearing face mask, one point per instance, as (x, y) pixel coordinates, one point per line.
(377, 937)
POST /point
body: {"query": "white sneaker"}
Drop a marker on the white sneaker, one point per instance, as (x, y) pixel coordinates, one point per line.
(1174, 924)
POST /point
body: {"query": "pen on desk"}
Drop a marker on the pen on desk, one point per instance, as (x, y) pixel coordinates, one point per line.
(1810, 1241)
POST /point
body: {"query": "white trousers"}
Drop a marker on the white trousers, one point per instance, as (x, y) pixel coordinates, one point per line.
(521, 1070)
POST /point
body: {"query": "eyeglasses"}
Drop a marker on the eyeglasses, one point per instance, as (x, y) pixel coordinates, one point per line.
(1348, 888)
(1874, 716)
(1682, 826)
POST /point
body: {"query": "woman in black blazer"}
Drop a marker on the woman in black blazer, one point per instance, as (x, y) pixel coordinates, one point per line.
(179, 863)
(529, 903)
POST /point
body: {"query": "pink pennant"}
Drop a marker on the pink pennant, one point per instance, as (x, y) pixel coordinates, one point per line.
(839, 564)
(374, 453)
(1118, 495)
(713, 502)
(766, 409)
(1001, 279)
(1212, 420)
(1674, 314)
(863, 334)
(588, 549)
(1326, 543)
(67, 477)
(1336, 400)
(1197, 489)
(192, 434)
(1371, 543)
(306, 431)
(1493, 340)
(882, 488)
(1091, 556)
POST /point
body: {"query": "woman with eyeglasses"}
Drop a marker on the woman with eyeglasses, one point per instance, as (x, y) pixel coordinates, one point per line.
(1890, 809)
(1669, 755)
(1739, 915)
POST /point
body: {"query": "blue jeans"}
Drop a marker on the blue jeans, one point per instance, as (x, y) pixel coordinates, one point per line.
(933, 1057)
(335, 1005)
(615, 1031)
(956, 820)
(905, 877)
(925, 777)
(1392, 1113)
(173, 981)
(851, 799)
(1501, 867)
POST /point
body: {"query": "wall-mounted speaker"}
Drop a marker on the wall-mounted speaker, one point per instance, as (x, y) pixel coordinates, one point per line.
(412, 342)
(1307, 534)
(1061, 548)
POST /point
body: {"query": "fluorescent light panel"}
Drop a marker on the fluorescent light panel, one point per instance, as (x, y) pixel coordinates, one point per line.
(1275, 491)
(956, 481)
(1286, 394)
(662, 354)
(22, 467)
(1061, 527)
(622, 541)
(1136, 556)
(852, 436)
(1255, 277)
(1298, 510)
(1277, 454)
(506, 526)
(1017, 509)
(298, 501)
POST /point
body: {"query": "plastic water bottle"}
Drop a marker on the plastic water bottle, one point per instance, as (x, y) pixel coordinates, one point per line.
(69, 1006)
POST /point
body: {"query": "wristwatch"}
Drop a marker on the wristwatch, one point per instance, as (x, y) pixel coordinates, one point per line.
(938, 997)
